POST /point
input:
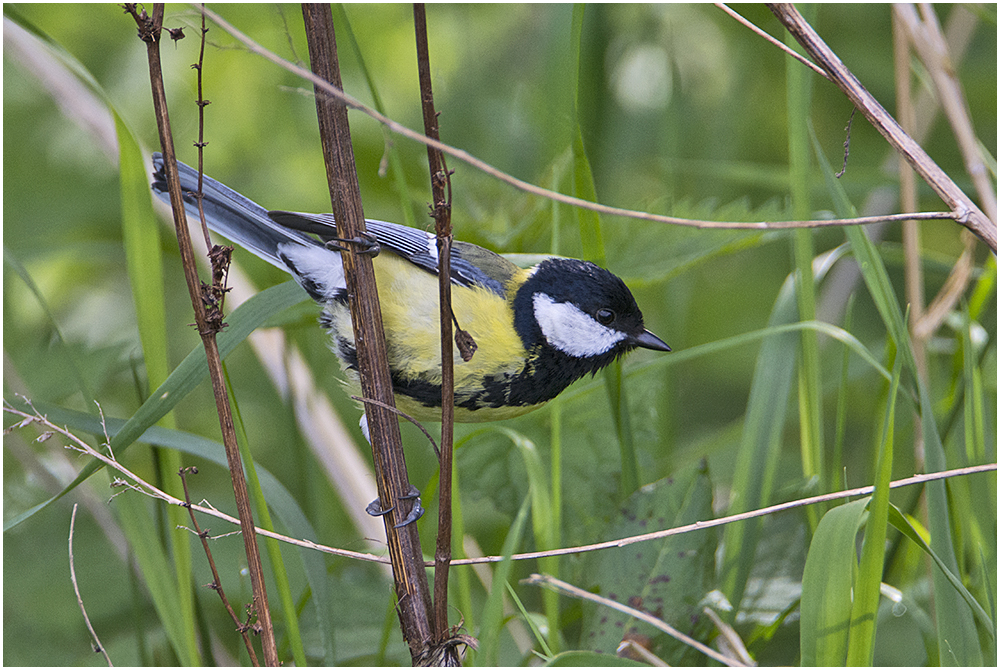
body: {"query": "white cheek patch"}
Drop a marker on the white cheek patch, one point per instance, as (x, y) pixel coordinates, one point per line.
(317, 264)
(571, 330)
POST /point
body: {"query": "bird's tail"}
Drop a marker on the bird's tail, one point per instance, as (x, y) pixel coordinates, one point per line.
(231, 214)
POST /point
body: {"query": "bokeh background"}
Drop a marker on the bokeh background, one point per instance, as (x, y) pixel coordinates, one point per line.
(683, 112)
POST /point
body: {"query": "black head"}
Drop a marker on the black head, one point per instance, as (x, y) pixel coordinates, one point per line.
(581, 312)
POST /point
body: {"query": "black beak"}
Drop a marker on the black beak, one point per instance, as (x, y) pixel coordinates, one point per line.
(649, 341)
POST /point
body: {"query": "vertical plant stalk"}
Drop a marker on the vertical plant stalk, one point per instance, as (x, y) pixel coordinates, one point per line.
(413, 596)
(929, 42)
(441, 211)
(216, 584)
(799, 92)
(912, 268)
(149, 32)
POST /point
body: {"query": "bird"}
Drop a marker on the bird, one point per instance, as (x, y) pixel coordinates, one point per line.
(537, 330)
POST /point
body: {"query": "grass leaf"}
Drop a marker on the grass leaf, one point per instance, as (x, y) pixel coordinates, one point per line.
(867, 586)
(827, 582)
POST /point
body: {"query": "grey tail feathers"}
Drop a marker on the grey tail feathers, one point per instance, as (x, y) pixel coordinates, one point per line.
(230, 214)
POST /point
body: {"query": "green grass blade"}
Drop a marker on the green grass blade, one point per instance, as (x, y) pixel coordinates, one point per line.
(760, 445)
(592, 238)
(903, 525)
(827, 581)
(463, 578)
(543, 525)
(138, 525)
(799, 98)
(836, 475)
(185, 377)
(985, 288)
(958, 642)
(63, 351)
(141, 237)
(555, 483)
(280, 500)
(492, 625)
(583, 177)
(975, 420)
(861, 643)
(546, 652)
(744, 339)
(623, 428)
(271, 547)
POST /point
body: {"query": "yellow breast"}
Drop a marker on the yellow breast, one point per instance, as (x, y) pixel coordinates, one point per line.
(408, 297)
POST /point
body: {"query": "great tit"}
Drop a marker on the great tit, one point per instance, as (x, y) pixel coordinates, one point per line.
(537, 330)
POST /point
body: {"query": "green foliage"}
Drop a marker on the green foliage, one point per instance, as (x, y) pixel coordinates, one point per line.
(668, 577)
(793, 371)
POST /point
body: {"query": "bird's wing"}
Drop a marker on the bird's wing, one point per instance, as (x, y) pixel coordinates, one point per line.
(471, 265)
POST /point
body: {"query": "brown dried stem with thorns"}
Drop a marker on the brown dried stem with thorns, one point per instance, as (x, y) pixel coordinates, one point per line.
(216, 585)
(149, 32)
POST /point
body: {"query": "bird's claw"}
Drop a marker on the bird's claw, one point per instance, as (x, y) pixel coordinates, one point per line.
(375, 508)
(365, 244)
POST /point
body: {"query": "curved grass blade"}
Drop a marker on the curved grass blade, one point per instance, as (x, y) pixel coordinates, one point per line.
(279, 499)
(826, 586)
(141, 237)
(192, 370)
(592, 239)
(492, 625)
(542, 521)
(958, 641)
(903, 525)
(864, 613)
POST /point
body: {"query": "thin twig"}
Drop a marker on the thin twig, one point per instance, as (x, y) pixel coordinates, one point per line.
(712, 523)
(575, 592)
(79, 599)
(773, 40)
(441, 211)
(145, 488)
(216, 584)
(468, 158)
(404, 415)
(153, 492)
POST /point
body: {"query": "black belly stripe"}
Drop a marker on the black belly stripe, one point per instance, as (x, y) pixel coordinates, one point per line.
(546, 376)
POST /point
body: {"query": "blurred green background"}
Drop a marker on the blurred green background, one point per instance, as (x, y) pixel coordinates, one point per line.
(683, 112)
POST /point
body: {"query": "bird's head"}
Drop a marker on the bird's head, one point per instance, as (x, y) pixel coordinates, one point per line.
(582, 312)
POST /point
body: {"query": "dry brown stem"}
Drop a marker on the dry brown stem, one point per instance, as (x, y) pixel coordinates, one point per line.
(412, 593)
(149, 32)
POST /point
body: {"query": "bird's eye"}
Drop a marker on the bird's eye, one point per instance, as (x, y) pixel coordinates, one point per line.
(605, 316)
